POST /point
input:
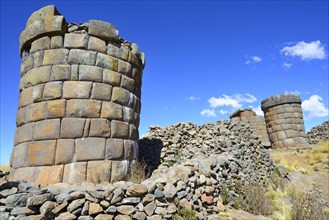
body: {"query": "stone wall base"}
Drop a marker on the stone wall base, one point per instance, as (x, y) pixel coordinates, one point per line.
(77, 172)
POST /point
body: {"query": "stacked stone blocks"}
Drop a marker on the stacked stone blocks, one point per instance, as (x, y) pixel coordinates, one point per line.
(284, 121)
(79, 102)
(258, 125)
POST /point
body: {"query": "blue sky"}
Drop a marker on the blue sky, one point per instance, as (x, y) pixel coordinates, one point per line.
(204, 59)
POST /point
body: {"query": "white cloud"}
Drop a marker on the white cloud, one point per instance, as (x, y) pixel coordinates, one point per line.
(224, 101)
(234, 101)
(314, 108)
(258, 110)
(286, 65)
(223, 112)
(306, 51)
(208, 113)
(193, 98)
(254, 59)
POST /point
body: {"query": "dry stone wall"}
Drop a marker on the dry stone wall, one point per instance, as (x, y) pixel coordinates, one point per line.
(79, 103)
(284, 121)
(319, 133)
(258, 125)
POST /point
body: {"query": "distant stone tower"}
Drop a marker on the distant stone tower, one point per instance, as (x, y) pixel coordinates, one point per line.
(79, 103)
(284, 121)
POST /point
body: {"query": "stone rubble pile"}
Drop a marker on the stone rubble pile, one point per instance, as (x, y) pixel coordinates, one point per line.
(195, 165)
(166, 146)
(318, 133)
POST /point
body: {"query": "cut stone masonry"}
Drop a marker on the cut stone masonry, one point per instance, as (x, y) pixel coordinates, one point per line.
(284, 121)
(79, 102)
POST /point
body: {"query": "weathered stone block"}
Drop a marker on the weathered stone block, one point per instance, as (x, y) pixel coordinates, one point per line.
(23, 173)
(119, 170)
(119, 129)
(52, 90)
(76, 89)
(136, 75)
(114, 149)
(64, 151)
(41, 153)
(119, 51)
(90, 149)
(136, 104)
(83, 57)
(86, 128)
(129, 150)
(292, 133)
(128, 83)
(55, 56)
(128, 114)
(60, 72)
(106, 61)
(38, 58)
(276, 128)
(75, 40)
(135, 60)
(56, 109)
(100, 128)
(56, 42)
(133, 135)
(96, 44)
(72, 127)
(83, 108)
(103, 30)
(47, 129)
(47, 175)
(101, 91)
(120, 96)
(75, 172)
(99, 171)
(285, 126)
(25, 97)
(21, 117)
(41, 22)
(111, 110)
(111, 77)
(26, 65)
(24, 133)
(74, 72)
(273, 137)
(90, 73)
(19, 158)
(289, 142)
(124, 68)
(42, 43)
(35, 76)
(36, 112)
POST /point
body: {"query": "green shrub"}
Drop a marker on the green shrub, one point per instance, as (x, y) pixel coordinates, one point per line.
(184, 213)
(225, 194)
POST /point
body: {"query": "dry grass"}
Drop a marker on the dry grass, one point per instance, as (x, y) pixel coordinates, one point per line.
(305, 206)
(291, 202)
(295, 204)
(5, 167)
(322, 147)
(253, 199)
(304, 160)
(137, 173)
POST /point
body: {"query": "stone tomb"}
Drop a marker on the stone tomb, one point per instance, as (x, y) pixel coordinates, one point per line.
(284, 121)
(79, 102)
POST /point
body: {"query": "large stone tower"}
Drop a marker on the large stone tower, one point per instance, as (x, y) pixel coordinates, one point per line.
(79, 103)
(284, 121)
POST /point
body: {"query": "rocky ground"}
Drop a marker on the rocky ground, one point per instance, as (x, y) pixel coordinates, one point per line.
(318, 133)
(196, 172)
